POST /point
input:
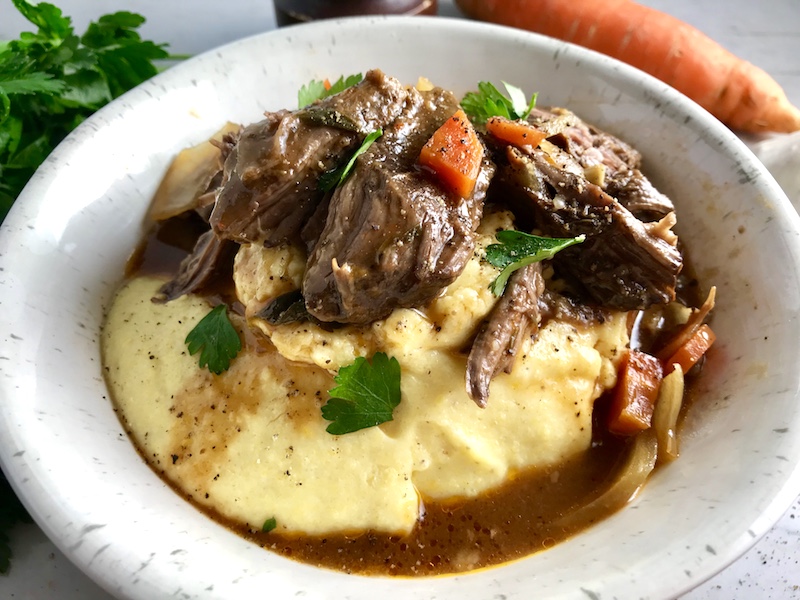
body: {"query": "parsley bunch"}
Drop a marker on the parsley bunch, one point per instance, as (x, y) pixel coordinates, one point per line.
(50, 81)
(53, 79)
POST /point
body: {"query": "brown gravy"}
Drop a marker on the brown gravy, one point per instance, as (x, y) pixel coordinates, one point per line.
(514, 521)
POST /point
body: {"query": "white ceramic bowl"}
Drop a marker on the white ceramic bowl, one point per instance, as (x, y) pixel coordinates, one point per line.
(63, 248)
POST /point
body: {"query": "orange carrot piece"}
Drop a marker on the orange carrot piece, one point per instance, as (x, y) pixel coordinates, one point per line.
(691, 326)
(327, 84)
(516, 133)
(454, 153)
(735, 91)
(634, 398)
(692, 350)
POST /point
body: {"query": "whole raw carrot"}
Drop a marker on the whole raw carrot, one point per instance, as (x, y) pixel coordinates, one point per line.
(735, 91)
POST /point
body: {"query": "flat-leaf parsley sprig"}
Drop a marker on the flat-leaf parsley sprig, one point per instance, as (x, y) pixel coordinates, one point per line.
(366, 395)
(216, 339)
(330, 180)
(489, 102)
(518, 249)
(317, 89)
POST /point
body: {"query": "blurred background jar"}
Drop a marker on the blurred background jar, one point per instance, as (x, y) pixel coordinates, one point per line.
(300, 11)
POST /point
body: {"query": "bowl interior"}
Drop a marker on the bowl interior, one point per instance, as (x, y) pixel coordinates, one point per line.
(64, 246)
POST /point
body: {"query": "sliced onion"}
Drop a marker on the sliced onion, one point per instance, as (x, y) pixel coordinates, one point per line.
(639, 463)
(596, 174)
(692, 325)
(665, 417)
(424, 84)
(188, 177)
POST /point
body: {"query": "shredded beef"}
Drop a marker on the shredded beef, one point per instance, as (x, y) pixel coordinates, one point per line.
(516, 315)
(624, 263)
(393, 236)
(271, 176)
(210, 258)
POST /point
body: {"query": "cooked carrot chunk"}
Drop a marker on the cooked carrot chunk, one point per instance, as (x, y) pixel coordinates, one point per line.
(454, 153)
(635, 395)
(516, 133)
(692, 350)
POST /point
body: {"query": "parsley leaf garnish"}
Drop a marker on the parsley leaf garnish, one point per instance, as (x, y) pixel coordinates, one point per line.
(518, 249)
(216, 339)
(317, 90)
(488, 102)
(322, 115)
(335, 177)
(269, 525)
(365, 396)
(53, 79)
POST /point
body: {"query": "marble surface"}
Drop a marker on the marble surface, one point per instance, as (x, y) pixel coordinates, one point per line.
(766, 33)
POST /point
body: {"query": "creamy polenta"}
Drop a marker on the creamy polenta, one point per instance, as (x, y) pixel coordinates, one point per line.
(251, 443)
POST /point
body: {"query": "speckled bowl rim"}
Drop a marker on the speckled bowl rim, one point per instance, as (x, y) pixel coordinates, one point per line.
(67, 457)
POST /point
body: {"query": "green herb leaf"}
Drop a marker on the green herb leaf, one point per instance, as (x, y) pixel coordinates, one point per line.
(51, 80)
(488, 102)
(365, 396)
(315, 90)
(320, 115)
(269, 525)
(334, 178)
(32, 83)
(5, 110)
(216, 339)
(286, 308)
(311, 92)
(518, 249)
(48, 18)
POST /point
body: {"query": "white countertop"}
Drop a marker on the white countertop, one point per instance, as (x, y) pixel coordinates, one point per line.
(767, 33)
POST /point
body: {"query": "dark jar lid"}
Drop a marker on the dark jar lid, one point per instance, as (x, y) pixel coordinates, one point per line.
(288, 12)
